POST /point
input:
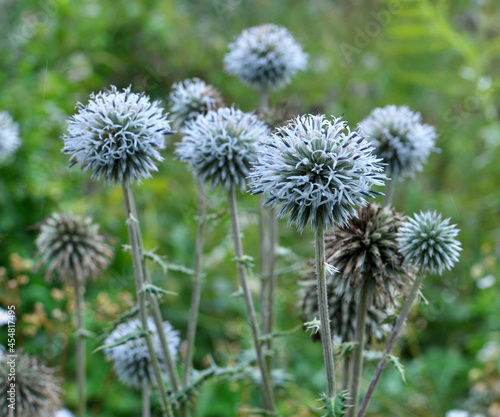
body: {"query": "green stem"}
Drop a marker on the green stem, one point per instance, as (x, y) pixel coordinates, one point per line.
(390, 344)
(389, 192)
(269, 401)
(135, 249)
(326, 337)
(146, 400)
(357, 363)
(80, 349)
(346, 370)
(197, 282)
(263, 97)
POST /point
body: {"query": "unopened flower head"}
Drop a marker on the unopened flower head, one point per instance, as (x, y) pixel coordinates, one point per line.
(131, 360)
(221, 146)
(265, 56)
(365, 251)
(9, 136)
(342, 309)
(117, 135)
(190, 98)
(37, 390)
(428, 242)
(400, 138)
(72, 247)
(317, 170)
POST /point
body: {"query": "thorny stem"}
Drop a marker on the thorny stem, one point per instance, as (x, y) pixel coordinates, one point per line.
(326, 337)
(80, 348)
(357, 363)
(269, 401)
(392, 340)
(197, 282)
(146, 400)
(135, 248)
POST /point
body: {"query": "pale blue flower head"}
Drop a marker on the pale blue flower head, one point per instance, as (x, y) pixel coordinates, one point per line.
(317, 170)
(117, 135)
(400, 138)
(221, 146)
(131, 360)
(190, 98)
(265, 56)
(9, 136)
(429, 242)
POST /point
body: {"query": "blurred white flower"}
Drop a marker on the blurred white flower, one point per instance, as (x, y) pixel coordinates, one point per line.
(9, 136)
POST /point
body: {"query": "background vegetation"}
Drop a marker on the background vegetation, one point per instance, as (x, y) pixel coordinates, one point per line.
(441, 58)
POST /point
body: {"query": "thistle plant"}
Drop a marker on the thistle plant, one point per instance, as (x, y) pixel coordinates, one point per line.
(9, 136)
(319, 171)
(37, 391)
(118, 135)
(131, 359)
(429, 243)
(190, 98)
(74, 250)
(220, 147)
(400, 139)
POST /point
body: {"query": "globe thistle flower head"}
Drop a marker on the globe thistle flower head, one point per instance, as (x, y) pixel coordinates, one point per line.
(317, 170)
(131, 360)
(72, 247)
(342, 309)
(117, 135)
(190, 98)
(221, 146)
(265, 56)
(9, 136)
(428, 242)
(400, 138)
(365, 251)
(37, 390)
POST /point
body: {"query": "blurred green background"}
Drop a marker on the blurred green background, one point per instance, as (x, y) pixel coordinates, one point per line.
(441, 58)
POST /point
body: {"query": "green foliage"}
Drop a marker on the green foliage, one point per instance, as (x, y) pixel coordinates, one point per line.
(336, 406)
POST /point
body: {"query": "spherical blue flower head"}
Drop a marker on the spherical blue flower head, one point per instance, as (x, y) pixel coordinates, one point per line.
(265, 55)
(429, 242)
(221, 146)
(131, 360)
(400, 138)
(117, 135)
(9, 136)
(191, 98)
(317, 170)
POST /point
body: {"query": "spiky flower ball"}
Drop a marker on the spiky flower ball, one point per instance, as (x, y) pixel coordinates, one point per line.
(265, 56)
(37, 391)
(428, 242)
(9, 136)
(221, 146)
(317, 170)
(365, 251)
(190, 98)
(117, 135)
(400, 138)
(342, 309)
(72, 247)
(131, 360)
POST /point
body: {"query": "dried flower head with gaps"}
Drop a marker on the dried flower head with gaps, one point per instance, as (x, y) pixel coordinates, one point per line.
(117, 135)
(400, 138)
(265, 56)
(72, 247)
(317, 170)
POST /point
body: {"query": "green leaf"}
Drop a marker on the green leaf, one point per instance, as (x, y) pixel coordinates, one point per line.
(165, 266)
(399, 366)
(136, 334)
(390, 318)
(156, 290)
(122, 318)
(345, 349)
(335, 406)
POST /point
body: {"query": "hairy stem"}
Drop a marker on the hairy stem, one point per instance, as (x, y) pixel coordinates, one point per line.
(197, 281)
(357, 363)
(80, 349)
(390, 344)
(137, 259)
(326, 336)
(146, 400)
(267, 386)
